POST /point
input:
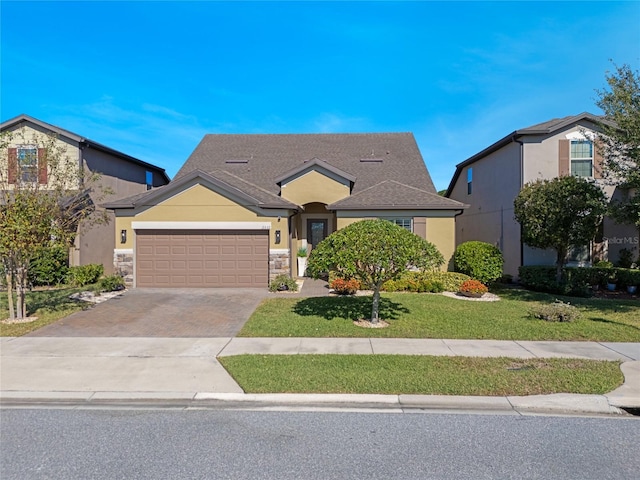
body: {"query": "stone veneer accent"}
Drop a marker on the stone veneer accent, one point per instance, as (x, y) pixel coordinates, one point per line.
(123, 265)
(279, 263)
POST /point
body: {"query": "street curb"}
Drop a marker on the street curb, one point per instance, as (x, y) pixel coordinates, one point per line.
(534, 404)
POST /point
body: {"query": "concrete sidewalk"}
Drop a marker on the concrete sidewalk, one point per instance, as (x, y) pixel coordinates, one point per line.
(185, 371)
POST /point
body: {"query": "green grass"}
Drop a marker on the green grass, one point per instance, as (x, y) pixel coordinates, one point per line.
(49, 305)
(436, 316)
(409, 374)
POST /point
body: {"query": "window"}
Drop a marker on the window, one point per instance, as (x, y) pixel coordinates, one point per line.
(27, 157)
(580, 256)
(469, 180)
(402, 222)
(149, 179)
(581, 157)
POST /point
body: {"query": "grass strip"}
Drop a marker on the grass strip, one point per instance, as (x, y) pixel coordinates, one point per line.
(49, 305)
(415, 374)
(436, 316)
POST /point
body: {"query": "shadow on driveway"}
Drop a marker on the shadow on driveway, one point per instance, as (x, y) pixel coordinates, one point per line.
(157, 312)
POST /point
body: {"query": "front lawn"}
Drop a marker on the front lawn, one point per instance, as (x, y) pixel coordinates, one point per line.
(436, 316)
(410, 374)
(49, 305)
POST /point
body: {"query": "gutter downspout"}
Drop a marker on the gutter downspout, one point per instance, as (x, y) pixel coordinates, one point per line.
(521, 186)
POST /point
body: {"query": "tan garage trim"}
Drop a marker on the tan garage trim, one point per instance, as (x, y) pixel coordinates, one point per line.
(150, 225)
(202, 258)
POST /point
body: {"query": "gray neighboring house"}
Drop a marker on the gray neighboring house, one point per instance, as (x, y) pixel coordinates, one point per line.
(490, 180)
(123, 174)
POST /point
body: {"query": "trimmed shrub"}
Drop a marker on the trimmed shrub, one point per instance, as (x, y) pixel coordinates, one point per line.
(426, 282)
(555, 312)
(111, 283)
(481, 261)
(283, 283)
(84, 274)
(343, 286)
(625, 258)
(450, 281)
(473, 287)
(49, 266)
(628, 277)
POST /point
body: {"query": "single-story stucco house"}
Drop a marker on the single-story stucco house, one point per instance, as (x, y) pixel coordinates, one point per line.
(241, 206)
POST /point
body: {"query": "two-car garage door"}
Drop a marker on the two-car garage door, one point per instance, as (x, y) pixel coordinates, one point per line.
(202, 258)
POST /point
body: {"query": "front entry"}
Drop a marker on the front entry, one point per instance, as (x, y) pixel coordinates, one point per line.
(317, 230)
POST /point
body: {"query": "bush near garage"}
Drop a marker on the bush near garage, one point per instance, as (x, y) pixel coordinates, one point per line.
(481, 261)
(283, 283)
(84, 274)
(111, 283)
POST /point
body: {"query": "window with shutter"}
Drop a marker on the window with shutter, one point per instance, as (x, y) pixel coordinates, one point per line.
(581, 155)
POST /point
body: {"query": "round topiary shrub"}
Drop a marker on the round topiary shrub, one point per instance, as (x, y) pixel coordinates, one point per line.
(481, 261)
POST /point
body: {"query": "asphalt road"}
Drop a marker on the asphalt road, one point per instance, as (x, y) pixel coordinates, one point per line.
(225, 444)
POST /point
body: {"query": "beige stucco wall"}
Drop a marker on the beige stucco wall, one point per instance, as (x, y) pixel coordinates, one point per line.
(62, 151)
(199, 204)
(442, 233)
(314, 187)
(439, 230)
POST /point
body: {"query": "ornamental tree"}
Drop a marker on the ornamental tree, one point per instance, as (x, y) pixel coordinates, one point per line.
(560, 214)
(619, 142)
(372, 251)
(38, 210)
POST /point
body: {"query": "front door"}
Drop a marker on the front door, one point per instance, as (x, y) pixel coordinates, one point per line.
(316, 231)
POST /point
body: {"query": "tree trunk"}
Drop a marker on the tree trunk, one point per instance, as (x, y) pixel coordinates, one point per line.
(21, 280)
(560, 260)
(9, 278)
(375, 305)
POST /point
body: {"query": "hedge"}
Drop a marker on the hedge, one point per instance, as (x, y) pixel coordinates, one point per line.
(575, 280)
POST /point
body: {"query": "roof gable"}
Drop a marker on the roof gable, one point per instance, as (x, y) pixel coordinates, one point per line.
(26, 119)
(549, 127)
(317, 165)
(241, 192)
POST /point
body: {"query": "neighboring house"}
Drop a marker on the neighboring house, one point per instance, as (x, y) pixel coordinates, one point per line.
(490, 181)
(242, 205)
(121, 174)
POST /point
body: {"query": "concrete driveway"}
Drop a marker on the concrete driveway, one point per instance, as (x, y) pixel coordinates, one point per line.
(157, 312)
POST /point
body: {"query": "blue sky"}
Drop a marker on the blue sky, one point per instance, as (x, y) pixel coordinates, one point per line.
(151, 78)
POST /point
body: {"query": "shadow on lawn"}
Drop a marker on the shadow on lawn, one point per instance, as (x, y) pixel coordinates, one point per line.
(351, 308)
(591, 304)
(52, 300)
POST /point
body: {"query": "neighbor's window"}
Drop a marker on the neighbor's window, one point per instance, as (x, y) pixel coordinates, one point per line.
(402, 222)
(581, 158)
(27, 163)
(149, 180)
(579, 255)
(469, 180)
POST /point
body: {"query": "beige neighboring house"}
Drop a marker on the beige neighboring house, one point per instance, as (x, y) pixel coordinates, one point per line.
(122, 174)
(490, 181)
(242, 205)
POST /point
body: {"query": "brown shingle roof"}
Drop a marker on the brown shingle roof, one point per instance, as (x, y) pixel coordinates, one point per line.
(395, 195)
(261, 159)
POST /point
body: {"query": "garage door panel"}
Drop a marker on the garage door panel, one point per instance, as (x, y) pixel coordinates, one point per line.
(209, 258)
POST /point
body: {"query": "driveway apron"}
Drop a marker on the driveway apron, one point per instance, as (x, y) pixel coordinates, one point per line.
(157, 312)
